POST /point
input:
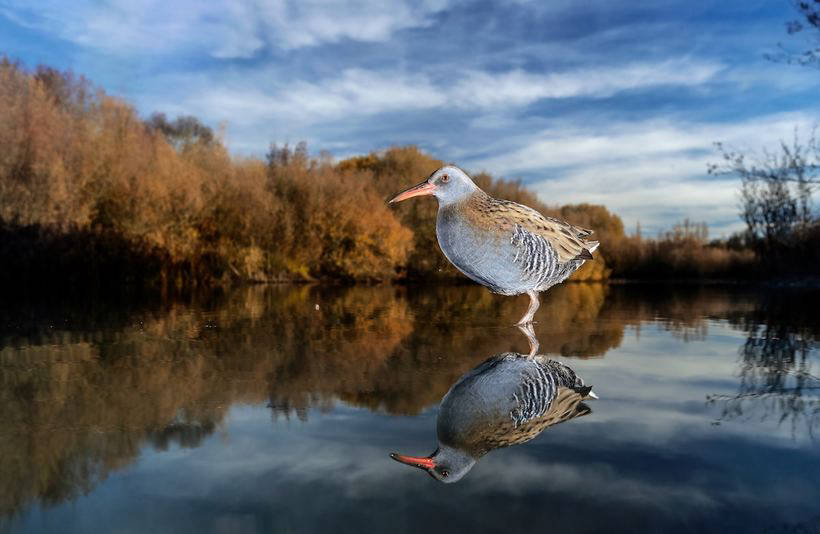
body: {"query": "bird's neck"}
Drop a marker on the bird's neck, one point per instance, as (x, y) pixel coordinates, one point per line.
(473, 209)
(472, 201)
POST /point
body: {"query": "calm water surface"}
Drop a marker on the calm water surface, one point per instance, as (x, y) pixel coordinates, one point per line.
(274, 409)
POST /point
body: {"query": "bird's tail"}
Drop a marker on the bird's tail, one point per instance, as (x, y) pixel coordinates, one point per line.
(582, 232)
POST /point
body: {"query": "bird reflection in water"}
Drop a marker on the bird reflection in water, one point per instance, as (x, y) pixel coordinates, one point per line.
(507, 400)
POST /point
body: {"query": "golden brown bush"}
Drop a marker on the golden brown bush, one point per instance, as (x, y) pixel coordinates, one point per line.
(391, 171)
(77, 159)
(682, 253)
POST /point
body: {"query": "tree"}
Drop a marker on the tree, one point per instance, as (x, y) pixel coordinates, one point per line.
(282, 157)
(776, 188)
(808, 24)
(183, 132)
(776, 192)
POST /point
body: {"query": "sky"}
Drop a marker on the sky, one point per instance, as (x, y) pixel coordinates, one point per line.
(606, 101)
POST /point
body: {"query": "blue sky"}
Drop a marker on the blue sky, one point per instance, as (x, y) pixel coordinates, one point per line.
(609, 102)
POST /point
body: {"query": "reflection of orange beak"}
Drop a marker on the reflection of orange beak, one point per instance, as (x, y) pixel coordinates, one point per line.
(424, 188)
(421, 463)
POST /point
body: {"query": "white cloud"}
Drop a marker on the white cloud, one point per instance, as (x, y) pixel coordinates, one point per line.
(306, 23)
(360, 92)
(517, 87)
(602, 140)
(645, 170)
(355, 92)
(231, 29)
(152, 27)
(520, 474)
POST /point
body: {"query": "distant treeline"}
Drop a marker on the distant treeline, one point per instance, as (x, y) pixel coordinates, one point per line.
(92, 194)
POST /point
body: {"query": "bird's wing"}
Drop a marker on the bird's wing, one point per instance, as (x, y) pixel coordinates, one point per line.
(538, 395)
(568, 241)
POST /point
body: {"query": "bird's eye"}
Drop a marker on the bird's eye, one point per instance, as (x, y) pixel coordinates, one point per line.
(445, 178)
(444, 473)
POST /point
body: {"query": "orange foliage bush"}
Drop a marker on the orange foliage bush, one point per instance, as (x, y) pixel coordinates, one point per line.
(77, 161)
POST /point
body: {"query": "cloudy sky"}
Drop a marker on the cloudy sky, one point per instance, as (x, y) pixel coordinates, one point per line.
(607, 101)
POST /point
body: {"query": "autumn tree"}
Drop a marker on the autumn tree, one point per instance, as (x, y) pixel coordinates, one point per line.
(182, 132)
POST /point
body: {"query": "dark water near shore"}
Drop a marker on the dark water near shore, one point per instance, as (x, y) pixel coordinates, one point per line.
(274, 409)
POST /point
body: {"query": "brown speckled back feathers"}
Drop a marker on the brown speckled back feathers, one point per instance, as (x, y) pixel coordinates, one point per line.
(503, 215)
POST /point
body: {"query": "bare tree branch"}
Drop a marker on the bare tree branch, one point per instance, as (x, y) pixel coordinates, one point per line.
(807, 24)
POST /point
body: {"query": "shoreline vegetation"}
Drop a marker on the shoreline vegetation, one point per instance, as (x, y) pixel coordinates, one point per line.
(93, 195)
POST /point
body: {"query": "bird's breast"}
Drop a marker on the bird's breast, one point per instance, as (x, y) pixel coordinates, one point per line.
(483, 253)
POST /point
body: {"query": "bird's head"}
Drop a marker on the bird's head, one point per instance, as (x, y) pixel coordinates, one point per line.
(446, 465)
(449, 184)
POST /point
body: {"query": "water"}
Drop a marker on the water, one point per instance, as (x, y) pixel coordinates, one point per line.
(274, 409)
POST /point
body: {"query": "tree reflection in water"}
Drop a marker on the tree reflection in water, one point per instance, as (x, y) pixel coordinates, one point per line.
(84, 387)
(776, 367)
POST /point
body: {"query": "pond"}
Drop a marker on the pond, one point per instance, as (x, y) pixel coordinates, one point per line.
(276, 409)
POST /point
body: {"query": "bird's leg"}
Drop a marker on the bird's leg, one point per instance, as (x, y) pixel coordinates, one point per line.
(534, 303)
(529, 331)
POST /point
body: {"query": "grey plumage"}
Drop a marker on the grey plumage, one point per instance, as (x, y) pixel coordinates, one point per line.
(507, 262)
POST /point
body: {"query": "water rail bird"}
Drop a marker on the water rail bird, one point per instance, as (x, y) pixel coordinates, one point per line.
(505, 246)
(506, 400)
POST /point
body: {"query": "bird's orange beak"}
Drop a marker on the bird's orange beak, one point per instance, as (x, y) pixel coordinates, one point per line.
(424, 188)
(421, 463)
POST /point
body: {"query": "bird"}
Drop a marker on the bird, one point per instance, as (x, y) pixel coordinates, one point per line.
(508, 247)
(508, 399)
